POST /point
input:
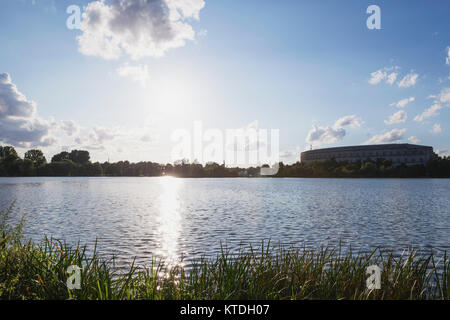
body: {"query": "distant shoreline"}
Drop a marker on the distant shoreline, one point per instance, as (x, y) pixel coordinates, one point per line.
(260, 177)
(77, 163)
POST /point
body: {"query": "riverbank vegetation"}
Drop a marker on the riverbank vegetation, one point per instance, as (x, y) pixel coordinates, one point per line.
(39, 271)
(77, 163)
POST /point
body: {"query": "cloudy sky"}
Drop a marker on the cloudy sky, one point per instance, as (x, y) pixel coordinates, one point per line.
(133, 72)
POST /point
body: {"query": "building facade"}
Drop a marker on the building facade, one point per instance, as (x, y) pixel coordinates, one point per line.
(406, 153)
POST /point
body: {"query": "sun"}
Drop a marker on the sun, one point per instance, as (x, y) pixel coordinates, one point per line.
(175, 95)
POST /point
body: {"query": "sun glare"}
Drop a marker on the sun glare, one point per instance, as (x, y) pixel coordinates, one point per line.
(169, 220)
(176, 95)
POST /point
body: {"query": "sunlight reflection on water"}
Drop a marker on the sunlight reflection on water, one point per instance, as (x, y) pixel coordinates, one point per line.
(169, 220)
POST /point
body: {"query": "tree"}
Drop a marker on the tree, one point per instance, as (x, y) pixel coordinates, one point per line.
(9, 161)
(79, 156)
(8, 151)
(61, 156)
(93, 169)
(369, 168)
(36, 157)
(62, 168)
(27, 168)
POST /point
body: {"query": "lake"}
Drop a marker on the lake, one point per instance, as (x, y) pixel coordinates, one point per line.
(172, 218)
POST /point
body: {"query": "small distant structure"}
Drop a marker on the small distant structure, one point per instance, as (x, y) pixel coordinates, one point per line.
(409, 154)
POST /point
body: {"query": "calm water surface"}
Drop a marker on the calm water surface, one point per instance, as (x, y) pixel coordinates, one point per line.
(172, 218)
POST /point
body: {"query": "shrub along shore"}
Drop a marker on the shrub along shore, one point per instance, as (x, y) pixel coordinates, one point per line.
(39, 271)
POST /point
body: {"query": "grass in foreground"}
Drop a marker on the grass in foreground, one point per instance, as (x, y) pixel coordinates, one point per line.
(38, 271)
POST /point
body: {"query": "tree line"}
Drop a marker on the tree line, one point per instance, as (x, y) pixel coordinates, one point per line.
(78, 163)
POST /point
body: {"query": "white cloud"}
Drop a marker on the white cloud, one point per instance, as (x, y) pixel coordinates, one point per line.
(387, 74)
(148, 137)
(414, 139)
(12, 102)
(19, 124)
(428, 113)
(202, 33)
(290, 156)
(397, 117)
(377, 76)
(409, 80)
(324, 135)
(384, 74)
(447, 59)
(99, 135)
(96, 138)
(137, 73)
(390, 79)
(69, 127)
(444, 96)
(402, 103)
(436, 128)
(442, 153)
(351, 121)
(107, 138)
(136, 28)
(391, 136)
(328, 135)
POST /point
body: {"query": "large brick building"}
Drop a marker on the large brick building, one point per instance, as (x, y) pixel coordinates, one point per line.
(406, 153)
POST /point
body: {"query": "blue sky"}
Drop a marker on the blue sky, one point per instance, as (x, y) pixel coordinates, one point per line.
(311, 69)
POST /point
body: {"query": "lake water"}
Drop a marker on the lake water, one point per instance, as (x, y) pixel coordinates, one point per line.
(170, 218)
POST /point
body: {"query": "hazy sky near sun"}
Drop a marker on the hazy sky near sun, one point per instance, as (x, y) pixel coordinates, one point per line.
(138, 70)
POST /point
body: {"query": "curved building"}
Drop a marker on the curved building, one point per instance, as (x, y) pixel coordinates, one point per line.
(409, 154)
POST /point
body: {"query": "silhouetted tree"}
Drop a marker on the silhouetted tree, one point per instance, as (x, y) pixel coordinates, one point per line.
(61, 156)
(8, 151)
(10, 163)
(27, 168)
(36, 157)
(79, 156)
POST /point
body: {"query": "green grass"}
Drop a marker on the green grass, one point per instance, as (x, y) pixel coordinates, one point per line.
(38, 271)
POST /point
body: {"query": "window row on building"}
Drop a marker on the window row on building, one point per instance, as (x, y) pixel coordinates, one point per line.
(397, 153)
